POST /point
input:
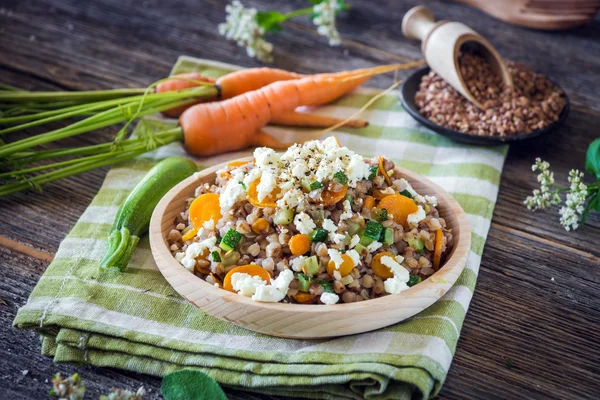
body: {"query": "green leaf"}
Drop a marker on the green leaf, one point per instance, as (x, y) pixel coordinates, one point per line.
(592, 158)
(315, 2)
(593, 204)
(190, 384)
(270, 21)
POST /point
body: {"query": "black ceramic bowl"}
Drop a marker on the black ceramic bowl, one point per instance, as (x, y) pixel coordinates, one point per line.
(407, 97)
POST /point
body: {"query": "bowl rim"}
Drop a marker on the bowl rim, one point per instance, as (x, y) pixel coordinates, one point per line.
(172, 270)
(470, 138)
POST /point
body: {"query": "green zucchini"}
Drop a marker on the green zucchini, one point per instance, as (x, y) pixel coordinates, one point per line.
(133, 217)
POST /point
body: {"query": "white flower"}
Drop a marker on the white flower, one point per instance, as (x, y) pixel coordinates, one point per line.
(571, 212)
(542, 197)
(242, 27)
(324, 19)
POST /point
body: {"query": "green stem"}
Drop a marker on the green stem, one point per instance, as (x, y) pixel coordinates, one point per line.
(92, 152)
(110, 158)
(4, 86)
(297, 13)
(111, 117)
(93, 95)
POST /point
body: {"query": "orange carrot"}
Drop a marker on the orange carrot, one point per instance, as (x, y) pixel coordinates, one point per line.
(181, 82)
(233, 124)
(320, 121)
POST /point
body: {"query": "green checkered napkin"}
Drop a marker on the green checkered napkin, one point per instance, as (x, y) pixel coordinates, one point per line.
(136, 321)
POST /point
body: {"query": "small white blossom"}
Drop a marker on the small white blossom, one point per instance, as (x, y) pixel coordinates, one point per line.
(571, 212)
(241, 26)
(325, 20)
(542, 197)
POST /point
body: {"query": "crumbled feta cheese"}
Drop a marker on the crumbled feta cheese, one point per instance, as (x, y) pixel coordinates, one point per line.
(267, 184)
(337, 238)
(208, 225)
(347, 211)
(354, 241)
(179, 256)
(253, 175)
(354, 256)
(431, 200)
(329, 298)
(329, 225)
(282, 282)
(194, 250)
(374, 246)
(388, 190)
(398, 270)
(336, 257)
(394, 285)
(298, 263)
(299, 169)
(304, 223)
(268, 294)
(232, 193)
(357, 169)
(265, 156)
(290, 199)
(416, 217)
(246, 284)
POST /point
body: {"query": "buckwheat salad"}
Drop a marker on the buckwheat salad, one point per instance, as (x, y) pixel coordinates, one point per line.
(318, 224)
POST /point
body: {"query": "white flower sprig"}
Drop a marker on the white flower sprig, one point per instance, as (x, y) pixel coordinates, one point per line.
(580, 198)
(247, 26)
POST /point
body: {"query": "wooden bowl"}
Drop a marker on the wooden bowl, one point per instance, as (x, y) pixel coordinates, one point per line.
(308, 321)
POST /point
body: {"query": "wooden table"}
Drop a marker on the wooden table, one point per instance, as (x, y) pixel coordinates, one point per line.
(537, 300)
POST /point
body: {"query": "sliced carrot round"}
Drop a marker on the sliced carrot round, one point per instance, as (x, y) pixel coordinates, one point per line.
(304, 298)
(206, 207)
(329, 198)
(382, 271)
(250, 269)
(237, 163)
(299, 244)
(437, 250)
(344, 269)
(399, 207)
(269, 201)
(369, 202)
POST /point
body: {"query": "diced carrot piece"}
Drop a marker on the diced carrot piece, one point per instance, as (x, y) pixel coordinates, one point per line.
(189, 235)
(260, 226)
(206, 207)
(269, 201)
(369, 202)
(237, 163)
(250, 269)
(399, 207)
(437, 250)
(345, 268)
(384, 172)
(378, 268)
(299, 244)
(329, 198)
(304, 298)
(378, 194)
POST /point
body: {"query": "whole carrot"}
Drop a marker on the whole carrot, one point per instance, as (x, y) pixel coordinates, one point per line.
(236, 123)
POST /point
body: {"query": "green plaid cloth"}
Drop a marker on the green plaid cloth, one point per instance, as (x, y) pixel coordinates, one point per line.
(136, 321)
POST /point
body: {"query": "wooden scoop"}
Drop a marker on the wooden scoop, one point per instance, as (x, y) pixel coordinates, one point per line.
(441, 43)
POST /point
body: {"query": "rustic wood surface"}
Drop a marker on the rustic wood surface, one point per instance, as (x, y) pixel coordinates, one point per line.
(536, 303)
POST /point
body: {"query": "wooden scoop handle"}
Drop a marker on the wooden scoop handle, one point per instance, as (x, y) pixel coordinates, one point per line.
(417, 23)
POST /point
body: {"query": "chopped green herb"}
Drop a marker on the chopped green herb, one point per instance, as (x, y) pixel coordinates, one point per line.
(243, 185)
(315, 185)
(413, 280)
(216, 257)
(327, 285)
(340, 177)
(374, 171)
(318, 235)
(406, 193)
(230, 240)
